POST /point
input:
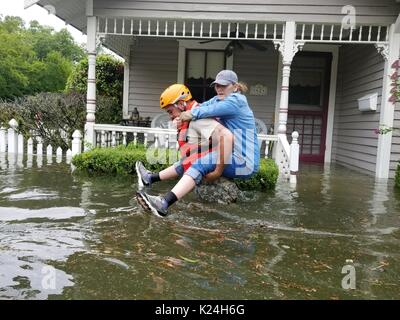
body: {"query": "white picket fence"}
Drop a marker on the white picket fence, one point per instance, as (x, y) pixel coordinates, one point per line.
(13, 143)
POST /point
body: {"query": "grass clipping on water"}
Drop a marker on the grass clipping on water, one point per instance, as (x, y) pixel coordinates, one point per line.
(121, 161)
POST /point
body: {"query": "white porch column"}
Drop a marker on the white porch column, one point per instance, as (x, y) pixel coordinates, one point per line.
(125, 97)
(390, 53)
(91, 83)
(288, 47)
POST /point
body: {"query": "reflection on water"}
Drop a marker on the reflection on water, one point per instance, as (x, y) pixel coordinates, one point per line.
(65, 236)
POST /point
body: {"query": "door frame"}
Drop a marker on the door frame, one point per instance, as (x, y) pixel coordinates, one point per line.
(334, 49)
(324, 101)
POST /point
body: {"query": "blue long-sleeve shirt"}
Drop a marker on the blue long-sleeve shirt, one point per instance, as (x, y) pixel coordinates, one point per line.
(235, 114)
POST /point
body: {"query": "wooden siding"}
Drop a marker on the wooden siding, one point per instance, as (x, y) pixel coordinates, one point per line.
(154, 66)
(360, 72)
(256, 67)
(327, 11)
(395, 155)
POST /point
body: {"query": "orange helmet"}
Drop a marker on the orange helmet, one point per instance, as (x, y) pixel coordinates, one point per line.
(173, 94)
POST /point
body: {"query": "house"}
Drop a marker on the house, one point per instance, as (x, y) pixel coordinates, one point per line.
(322, 68)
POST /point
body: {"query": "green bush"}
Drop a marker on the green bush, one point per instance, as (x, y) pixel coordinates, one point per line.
(109, 77)
(109, 86)
(121, 160)
(264, 179)
(115, 161)
(397, 177)
(55, 116)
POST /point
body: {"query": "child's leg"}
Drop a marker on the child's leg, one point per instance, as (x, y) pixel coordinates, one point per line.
(184, 186)
(195, 174)
(172, 172)
(146, 177)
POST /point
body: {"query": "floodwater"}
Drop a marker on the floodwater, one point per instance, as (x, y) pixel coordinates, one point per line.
(64, 236)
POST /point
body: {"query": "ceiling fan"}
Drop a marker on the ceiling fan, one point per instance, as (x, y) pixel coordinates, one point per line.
(239, 44)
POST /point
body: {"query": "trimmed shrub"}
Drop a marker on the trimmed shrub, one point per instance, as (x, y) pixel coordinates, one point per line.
(264, 179)
(397, 177)
(115, 161)
(121, 161)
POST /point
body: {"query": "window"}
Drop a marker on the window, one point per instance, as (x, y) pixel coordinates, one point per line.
(306, 87)
(202, 67)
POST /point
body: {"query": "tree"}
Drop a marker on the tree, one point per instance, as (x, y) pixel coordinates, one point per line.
(109, 77)
(34, 59)
(14, 58)
(44, 41)
(50, 74)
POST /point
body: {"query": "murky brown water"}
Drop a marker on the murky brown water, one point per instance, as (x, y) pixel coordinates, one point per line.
(69, 237)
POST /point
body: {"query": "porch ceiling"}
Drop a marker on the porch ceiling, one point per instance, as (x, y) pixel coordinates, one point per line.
(72, 12)
(114, 29)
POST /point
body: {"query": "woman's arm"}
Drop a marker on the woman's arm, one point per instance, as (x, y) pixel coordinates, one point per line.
(217, 108)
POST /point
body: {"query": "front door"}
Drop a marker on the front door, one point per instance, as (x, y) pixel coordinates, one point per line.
(308, 103)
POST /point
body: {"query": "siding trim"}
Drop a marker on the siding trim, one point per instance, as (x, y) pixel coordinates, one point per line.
(387, 108)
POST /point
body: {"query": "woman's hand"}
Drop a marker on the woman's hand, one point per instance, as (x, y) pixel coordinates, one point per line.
(214, 175)
(186, 116)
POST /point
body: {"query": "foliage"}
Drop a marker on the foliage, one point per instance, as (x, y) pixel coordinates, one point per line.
(45, 40)
(109, 77)
(114, 161)
(34, 59)
(109, 84)
(55, 116)
(121, 160)
(264, 179)
(383, 130)
(397, 177)
(108, 110)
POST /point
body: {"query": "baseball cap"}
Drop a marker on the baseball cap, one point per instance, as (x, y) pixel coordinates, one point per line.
(225, 77)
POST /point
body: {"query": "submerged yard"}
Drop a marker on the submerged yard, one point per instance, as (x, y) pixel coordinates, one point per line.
(65, 236)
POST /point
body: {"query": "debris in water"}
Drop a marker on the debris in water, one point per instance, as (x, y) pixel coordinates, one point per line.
(189, 260)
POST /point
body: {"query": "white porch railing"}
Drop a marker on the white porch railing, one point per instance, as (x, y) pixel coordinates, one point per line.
(285, 155)
(194, 29)
(334, 33)
(113, 135)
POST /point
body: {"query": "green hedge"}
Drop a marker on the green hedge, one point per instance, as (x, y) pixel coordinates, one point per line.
(114, 161)
(397, 177)
(121, 161)
(264, 179)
